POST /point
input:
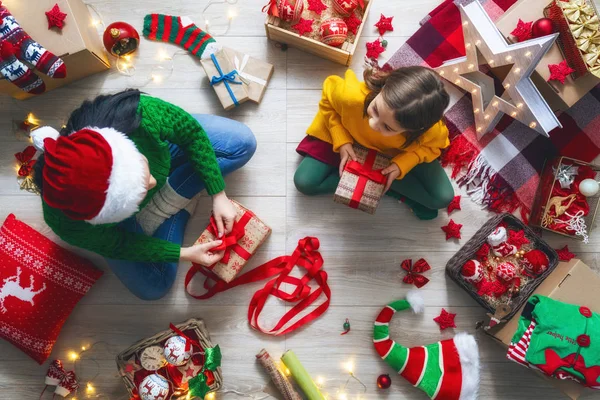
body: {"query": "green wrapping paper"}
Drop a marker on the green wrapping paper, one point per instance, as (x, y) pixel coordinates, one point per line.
(302, 378)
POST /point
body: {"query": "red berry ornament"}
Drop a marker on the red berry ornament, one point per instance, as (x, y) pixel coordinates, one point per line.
(345, 7)
(542, 27)
(384, 381)
(334, 32)
(121, 39)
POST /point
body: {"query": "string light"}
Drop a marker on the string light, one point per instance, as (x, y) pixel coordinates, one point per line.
(520, 105)
(231, 14)
(210, 396)
(320, 381)
(506, 85)
(532, 125)
(471, 66)
(528, 54)
(474, 91)
(513, 114)
(73, 356)
(457, 81)
(491, 62)
(468, 45)
(476, 111)
(89, 388)
(508, 58)
(465, 23)
(495, 104)
(517, 70)
(456, 69)
(442, 72)
(477, 43)
(486, 117)
(479, 129)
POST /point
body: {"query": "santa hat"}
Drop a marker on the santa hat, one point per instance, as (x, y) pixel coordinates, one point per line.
(446, 370)
(472, 271)
(535, 262)
(95, 175)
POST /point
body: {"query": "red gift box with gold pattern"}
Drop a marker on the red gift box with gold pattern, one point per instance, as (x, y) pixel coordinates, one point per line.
(362, 184)
(248, 234)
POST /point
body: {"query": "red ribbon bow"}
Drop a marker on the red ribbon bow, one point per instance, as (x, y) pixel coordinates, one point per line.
(188, 340)
(413, 272)
(365, 173)
(230, 241)
(26, 161)
(575, 361)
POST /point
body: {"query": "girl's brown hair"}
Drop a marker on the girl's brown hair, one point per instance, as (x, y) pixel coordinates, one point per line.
(416, 94)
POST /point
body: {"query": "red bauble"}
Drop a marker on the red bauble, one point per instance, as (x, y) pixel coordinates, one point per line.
(290, 10)
(334, 32)
(384, 381)
(121, 39)
(542, 27)
(345, 7)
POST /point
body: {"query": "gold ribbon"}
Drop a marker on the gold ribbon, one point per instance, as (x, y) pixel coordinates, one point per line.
(596, 70)
(592, 56)
(586, 43)
(28, 185)
(574, 9)
(585, 27)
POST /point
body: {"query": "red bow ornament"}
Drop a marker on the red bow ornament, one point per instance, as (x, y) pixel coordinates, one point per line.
(230, 241)
(413, 272)
(65, 381)
(26, 161)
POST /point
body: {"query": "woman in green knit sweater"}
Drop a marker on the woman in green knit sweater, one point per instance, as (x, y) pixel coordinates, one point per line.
(120, 177)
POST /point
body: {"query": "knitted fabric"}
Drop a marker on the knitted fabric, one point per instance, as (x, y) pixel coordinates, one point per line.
(167, 28)
(161, 122)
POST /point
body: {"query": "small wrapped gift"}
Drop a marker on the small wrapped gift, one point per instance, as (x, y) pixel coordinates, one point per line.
(254, 73)
(225, 80)
(362, 183)
(248, 234)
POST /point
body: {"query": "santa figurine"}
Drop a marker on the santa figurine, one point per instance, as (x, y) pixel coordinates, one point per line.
(534, 263)
(500, 246)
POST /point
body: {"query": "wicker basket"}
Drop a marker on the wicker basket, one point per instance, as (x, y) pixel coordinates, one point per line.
(467, 252)
(203, 337)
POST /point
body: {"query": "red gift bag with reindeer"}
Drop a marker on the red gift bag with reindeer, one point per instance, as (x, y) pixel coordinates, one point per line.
(248, 234)
(40, 284)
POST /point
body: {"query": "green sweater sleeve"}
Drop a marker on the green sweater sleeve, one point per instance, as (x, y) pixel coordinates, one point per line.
(110, 240)
(170, 123)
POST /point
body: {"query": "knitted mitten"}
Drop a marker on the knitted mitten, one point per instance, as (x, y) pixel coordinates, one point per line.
(162, 206)
(181, 31)
(16, 46)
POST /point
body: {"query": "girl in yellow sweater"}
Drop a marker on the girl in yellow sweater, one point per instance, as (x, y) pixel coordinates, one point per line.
(400, 114)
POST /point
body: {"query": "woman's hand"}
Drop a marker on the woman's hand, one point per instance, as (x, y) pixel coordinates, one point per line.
(392, 172)
(224, 213)
(346, 153)
(202, 254)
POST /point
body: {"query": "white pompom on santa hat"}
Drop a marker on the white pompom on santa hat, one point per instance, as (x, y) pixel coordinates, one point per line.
(95, 175)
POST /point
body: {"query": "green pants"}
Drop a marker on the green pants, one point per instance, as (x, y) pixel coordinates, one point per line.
(426, 185)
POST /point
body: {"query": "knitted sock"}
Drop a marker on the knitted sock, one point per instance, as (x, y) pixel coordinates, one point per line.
(163, 205)
(181, 31)
(17, 73)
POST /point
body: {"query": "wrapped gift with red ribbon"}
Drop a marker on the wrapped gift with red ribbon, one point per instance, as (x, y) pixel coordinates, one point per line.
(362, 183)
(247, 235)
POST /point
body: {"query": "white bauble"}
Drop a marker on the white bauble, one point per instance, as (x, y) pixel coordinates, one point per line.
(589, 187)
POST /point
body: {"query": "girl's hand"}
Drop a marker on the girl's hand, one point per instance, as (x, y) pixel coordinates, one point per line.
(392, 172)
(346, 153)
(224, 213)
(202, 254)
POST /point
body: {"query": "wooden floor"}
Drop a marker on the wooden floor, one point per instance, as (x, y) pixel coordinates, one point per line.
(362, 253)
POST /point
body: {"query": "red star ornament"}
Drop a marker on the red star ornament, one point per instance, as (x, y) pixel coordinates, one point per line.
(559, 72)
(523, 31)
(316, 6)
(454, 204)
(452, 230)
(353, 23)
(564, 254)
(131, 367)
(517, 238)
(445, 320)
(56, 17)
(303, 26)
(374, 49)
(384, 24)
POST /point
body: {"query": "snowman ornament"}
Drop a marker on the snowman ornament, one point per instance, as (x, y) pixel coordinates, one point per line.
(175, 351)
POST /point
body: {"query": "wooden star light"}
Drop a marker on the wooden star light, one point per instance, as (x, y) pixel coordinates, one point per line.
(484, 44)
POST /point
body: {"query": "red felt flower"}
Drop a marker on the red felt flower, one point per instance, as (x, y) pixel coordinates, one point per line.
(445, 320)
(56, 17)
(303, 26)
(353, 23)
(374, 49)
(564, 254)
(452, 230)
(483, 251)
(523, 31)
(316, 6)
(413, 275)
(384, 24)
(517, 238)
(454, 204)
(559, 72)
(26, 161)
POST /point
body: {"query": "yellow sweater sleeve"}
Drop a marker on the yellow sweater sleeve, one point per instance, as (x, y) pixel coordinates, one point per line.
(429, 149)
(330, 108)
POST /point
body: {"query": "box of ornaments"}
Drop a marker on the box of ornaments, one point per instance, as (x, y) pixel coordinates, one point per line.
(502, 265)
(567, 198)
(178, 363)
(329, 29)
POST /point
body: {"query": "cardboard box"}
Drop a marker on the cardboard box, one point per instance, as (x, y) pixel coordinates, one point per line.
(559, 97)
(219, 66)
(254, 73)
(78, 43)
(571, 282)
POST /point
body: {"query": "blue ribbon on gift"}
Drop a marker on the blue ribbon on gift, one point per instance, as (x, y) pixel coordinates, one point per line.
(225, 78)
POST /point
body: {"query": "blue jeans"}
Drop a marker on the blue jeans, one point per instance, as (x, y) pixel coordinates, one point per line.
(234, 145)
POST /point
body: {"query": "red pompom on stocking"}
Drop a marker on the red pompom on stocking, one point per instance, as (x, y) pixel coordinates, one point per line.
(17, 46)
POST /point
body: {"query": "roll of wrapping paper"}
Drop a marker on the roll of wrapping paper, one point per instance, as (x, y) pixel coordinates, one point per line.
(302, 378)
(281, 382)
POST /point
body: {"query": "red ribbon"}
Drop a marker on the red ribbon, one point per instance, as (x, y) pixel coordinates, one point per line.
(305, 256)
(230, 241)
(365, 173)
(271, 8)
(188, 340)
(26, 161)
(413, 276)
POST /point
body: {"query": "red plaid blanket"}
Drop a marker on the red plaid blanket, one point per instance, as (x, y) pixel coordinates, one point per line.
(502, 171)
